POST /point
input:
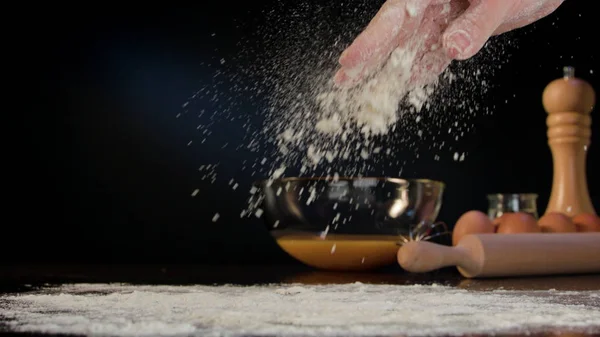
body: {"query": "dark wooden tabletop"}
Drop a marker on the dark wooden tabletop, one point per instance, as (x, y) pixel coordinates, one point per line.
(14, 278)
(26, 277)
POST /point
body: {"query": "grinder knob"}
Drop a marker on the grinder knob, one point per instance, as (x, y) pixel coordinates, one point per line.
(569, 94)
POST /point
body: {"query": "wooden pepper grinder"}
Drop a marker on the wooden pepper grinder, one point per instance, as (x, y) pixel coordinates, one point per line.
(569, 102)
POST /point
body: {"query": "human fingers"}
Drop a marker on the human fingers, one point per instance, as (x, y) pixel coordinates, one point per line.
(533, 11)
(395, 20)
(428, 67)
(466, 35)
(432, 58)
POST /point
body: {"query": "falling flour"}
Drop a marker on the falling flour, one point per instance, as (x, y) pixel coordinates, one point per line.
(324, 130)
(301, 124)
(351, 310)
(347, 119)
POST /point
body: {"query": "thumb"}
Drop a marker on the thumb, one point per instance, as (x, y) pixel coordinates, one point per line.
(466, 35)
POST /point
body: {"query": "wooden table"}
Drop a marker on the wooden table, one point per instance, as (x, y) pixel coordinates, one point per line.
(23, 278)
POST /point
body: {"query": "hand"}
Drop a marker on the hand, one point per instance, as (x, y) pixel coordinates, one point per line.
(450, 30)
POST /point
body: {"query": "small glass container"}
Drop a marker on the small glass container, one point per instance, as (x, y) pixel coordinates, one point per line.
(501, 203)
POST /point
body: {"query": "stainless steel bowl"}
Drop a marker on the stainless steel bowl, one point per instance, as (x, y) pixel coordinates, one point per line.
(347, 223)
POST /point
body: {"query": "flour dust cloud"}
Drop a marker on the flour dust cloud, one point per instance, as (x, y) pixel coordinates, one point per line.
(278, 87)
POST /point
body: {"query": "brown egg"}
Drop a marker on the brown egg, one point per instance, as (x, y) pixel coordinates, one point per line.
(472, 222)
(555, 222)
(587, 222)
(497, 221)
(518, 222)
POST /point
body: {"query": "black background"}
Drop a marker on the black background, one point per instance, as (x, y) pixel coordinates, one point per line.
(109, 174)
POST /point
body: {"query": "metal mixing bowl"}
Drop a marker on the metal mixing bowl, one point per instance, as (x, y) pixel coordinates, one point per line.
(363, 218)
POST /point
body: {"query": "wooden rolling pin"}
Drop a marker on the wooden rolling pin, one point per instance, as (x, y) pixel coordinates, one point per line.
(506, 255)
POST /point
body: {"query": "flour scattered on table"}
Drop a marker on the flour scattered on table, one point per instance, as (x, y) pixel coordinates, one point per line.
(352, 310)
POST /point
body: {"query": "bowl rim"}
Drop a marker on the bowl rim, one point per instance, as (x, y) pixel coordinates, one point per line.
(438, 183)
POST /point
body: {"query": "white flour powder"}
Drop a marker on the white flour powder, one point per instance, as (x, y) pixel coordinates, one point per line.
(347, 120)
(316, 129)
(278, 88)
(293, 310)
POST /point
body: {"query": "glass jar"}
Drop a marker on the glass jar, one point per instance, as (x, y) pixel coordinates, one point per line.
(501, 203)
